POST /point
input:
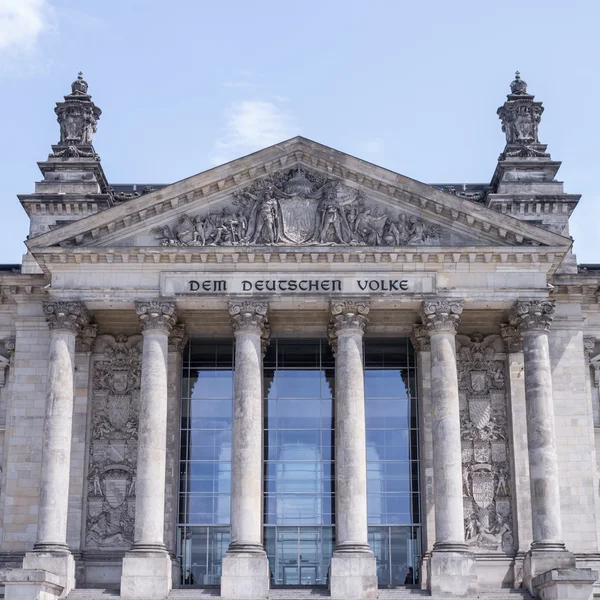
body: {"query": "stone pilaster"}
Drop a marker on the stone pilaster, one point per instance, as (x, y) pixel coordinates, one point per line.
(353, 568)
(532, 319)
(147, 567)
(50, 552)
(451, 567)
(245, 571)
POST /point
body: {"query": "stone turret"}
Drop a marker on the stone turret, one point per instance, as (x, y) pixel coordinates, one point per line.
(73, 185)
(524, 184)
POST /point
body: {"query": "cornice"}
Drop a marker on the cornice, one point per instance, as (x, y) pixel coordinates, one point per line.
(214, 184)
(546, 259)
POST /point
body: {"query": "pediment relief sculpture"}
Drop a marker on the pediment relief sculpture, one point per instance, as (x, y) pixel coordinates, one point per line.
(298, 207)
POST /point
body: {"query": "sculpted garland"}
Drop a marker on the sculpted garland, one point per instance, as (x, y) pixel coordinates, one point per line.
(484, 432)
(298, 207)
(112, 468)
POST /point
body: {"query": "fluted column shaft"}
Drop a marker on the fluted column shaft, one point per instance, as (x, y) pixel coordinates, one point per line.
(533, 319)
(441, 318)
(65, 319)
(156, 320)
(250, 326)
(348, 322)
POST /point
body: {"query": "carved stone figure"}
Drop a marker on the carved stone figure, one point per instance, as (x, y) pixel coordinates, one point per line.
(113, 450)
(297, 207)
(484, 432)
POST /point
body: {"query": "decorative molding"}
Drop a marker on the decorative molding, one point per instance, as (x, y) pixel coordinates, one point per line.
(6, 361)
(86, 338)
(487, 478)
(65, 315)
(441, 316)
(156, 315)
(420, 338)
(512, 338)
(111, 477)
(589, 344)
(302, 208)
(178, 338)
(595, 364)
(532, 315)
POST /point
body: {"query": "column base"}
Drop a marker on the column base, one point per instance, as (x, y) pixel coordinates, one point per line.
(453, 572)
(353, 575)
(565, 584)
(542, 559)
(31, 584)
(245, 574)
(58, 562)
(146, 575)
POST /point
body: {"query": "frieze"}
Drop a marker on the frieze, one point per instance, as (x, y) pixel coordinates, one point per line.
(486, 471)
(111, 479)
(299, 207)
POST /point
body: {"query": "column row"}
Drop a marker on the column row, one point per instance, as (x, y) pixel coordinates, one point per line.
(147, 567)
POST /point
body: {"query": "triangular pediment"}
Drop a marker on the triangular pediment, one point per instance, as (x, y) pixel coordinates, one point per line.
(297, 193)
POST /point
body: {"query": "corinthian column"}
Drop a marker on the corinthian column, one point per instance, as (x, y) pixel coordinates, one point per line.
(533, 319)
(452, 567)
(353, 567)
(50, 552)
(147, 567)
(245, 570)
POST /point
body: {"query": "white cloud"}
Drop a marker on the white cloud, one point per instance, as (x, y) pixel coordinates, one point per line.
(22, 22)
(252, 125)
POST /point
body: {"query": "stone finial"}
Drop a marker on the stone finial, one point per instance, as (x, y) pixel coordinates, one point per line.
(420, 338)
(441, 316)
(518, 86)
(532, 315)
(178, 338)
(77, 116)
(156, 315)
(589, 344)
(520, 116)
(66, 315)
(511, 337)
(249, 316)
(86, 338)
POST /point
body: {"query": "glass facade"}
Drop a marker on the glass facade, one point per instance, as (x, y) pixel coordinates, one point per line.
(299, 491)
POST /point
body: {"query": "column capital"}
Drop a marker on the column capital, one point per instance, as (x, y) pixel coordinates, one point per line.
(346, 316)
(511, 337)
(532, 315)
(66, 315)
(178, 338)
(442, 315)
(155, 315)
(420, 338)
(250, 316)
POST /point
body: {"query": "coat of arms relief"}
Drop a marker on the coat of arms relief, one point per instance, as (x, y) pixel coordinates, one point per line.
(298, 207)
(484, 433)
(111, 476)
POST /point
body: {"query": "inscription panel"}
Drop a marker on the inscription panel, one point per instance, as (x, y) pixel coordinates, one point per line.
(206, 284)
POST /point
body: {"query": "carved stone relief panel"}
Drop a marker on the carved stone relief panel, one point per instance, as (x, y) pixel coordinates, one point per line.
(487, 478)
(112, 466)
(299, 207)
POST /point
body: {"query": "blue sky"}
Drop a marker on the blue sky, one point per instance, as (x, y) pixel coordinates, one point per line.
(412, 86)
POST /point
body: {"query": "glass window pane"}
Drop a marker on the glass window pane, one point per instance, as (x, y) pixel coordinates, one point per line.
(206, 383)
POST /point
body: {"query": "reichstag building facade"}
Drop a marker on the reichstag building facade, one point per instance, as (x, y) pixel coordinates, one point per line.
(299, 373)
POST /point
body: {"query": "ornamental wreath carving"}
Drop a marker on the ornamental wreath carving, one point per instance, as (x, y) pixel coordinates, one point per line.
(298, 207)
(110, 516)
(486, 472)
